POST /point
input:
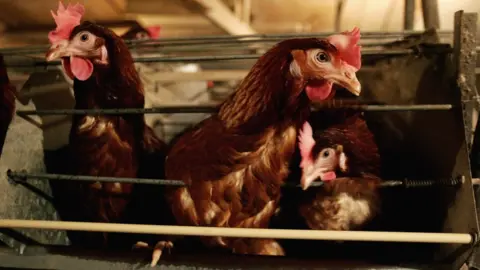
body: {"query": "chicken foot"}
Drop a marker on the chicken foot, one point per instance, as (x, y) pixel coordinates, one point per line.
(157, 250)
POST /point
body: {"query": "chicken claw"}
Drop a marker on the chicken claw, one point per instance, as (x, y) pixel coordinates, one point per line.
(157, 250)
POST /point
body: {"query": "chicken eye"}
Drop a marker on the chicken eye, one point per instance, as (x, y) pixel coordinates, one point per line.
(322, 57)
(84, 37)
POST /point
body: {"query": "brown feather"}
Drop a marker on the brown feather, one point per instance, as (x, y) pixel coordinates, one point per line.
(111, 145)
(235, 161)
(7, 104)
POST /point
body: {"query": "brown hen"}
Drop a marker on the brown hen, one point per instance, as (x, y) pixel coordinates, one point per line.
(104, 77)
(7, 104)
(235, 162)
(345, 157)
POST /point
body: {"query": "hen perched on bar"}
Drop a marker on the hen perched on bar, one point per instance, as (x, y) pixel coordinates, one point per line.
(104, 77)
(235, 162)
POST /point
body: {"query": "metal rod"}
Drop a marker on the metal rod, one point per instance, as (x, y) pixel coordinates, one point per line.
(199, 47)
(253, 38)
(228, 57)
(270, 37)
(163, 110)
(370, 236)
(21, 177)
(194, 46)
(213, 109)
(381, 108)
(289, 35)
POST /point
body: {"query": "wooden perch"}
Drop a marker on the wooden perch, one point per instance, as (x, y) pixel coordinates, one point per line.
(458, 238)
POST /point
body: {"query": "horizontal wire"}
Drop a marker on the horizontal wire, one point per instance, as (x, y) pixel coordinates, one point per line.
(19, 177)
(365, 35)
(369, 236)
(199, 46)
(222, 47)
(213, 109)
(169, 59)
(222, 38)
(22, 176)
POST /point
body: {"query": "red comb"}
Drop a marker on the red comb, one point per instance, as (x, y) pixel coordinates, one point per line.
(346, 44)
(306, 143)
(154, 31)
(66, 19)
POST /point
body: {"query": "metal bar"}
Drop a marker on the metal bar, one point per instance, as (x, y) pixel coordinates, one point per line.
(409, 14)
(213, 109)
(206, 46)
(21, 177)
(375, 34)
(163, 110)
(370, 236)
(253, 38)
(234, 57)
(194, 46)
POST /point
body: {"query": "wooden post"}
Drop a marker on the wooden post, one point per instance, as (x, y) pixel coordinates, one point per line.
(409, 14)
(430, 14)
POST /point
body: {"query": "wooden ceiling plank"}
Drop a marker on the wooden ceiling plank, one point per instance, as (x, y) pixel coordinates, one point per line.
(219, 14)
(118, 6)
(174, 20)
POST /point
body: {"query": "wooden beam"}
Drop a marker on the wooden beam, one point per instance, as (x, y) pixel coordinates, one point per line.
(408, 14)
(219, 14)
(338, 14)
(119, 6)
(237, 8)
(247, 11)
(176, 20)
(430, 14)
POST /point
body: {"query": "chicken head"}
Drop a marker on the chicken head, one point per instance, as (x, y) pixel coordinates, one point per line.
(78, 50)
(321, 164)
(320, 68)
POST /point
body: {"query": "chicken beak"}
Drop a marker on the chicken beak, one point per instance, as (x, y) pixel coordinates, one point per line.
(306, 181)
(58, 51)
(346, 77)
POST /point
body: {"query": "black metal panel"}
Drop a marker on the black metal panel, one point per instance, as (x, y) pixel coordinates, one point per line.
(40, 258)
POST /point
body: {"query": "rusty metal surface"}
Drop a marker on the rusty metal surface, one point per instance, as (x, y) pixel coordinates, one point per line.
(475, 154)
(464, 57)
